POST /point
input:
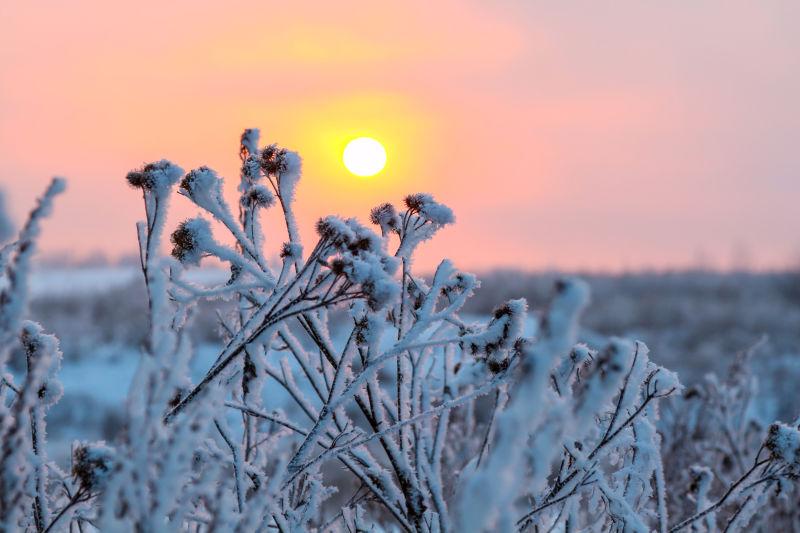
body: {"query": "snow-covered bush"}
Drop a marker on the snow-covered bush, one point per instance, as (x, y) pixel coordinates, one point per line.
(406, 418)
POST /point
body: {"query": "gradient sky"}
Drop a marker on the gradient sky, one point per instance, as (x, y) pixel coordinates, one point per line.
(570, 134)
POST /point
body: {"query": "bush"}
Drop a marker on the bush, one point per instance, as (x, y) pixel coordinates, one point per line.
(407, 416)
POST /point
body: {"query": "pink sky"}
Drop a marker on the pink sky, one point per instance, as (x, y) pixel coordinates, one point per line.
(623, 135)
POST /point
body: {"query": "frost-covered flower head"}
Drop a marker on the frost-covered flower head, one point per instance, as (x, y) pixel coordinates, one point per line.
(92, 463)
(349, 234)
(429, 209)
(283, 165)
(783, 442)
(251, 172)
(190, 240)
(204, 187)
(258, 196)
(461, 282)
(272, 159)
(423, 219)
(291, 251)
(156, 176)
(369, 325)
(506, 326)
(385, 216)
(374, 274)
(415, 291)
(359, 254)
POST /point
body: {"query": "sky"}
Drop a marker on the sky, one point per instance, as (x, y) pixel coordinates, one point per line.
(572, 135)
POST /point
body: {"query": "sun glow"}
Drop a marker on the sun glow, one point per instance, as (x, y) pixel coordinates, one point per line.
(364, 156)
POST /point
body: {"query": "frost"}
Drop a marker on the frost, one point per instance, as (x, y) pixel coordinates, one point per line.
(784, 443)
(289, 175)
(385, 216)
(92, 464)
(422, 219)
(249, 140)
(158, 176)
(6, 226)
(258, 196)
(204, 187)
(430, 210)
(419, 418)
(191, 240)
(502, 331)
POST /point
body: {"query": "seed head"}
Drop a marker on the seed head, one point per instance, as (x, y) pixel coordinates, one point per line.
(188, 240)
(91, 464)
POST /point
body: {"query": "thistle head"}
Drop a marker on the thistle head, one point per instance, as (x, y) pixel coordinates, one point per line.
(783, 442)
(189, 240)
(158, 176)
(91, 464)
(258, 196)
(201, 180)
(429, 209)
(385, 216)
(291, 251)
(273, 159)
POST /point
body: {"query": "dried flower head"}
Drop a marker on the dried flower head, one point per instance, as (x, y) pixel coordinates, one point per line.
(188, 240)
(459, 283)
(337, 266)
(251, 169)
(349, 234)
(503, 330)
(783, 442)
(291, 250)
(159, 175)
(258, 196)
(91, 464)
(429, 209)
(385, 216)
(273, 160)
(44, 359)
(202, 180)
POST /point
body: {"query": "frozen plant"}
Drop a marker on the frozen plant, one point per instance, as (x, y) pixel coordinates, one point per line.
(402, 414)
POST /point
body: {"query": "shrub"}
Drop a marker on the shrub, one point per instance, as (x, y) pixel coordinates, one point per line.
(406, 416)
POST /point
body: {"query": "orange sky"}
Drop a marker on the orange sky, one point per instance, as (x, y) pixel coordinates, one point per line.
(636, 134)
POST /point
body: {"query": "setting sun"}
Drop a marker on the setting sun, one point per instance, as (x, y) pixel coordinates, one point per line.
(364, 156)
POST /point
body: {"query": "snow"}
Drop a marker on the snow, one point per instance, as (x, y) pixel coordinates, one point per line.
(349, 377)
(289, 175)
(250, 138)
(385, 216)
(158, 176)
(783, 441)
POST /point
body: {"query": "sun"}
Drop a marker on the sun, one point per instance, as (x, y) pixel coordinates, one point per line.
(364, 156)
